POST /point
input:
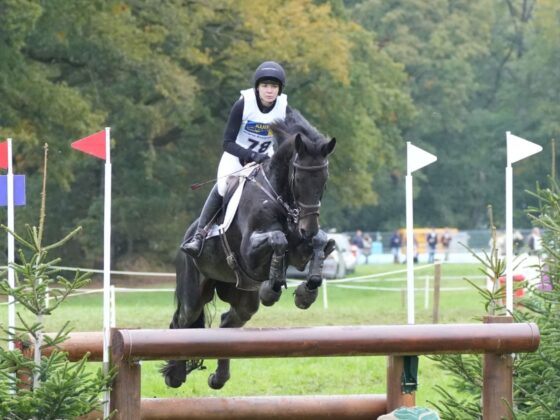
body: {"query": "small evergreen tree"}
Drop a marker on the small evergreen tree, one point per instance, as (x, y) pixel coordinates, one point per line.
(47, 387)
(536, 375)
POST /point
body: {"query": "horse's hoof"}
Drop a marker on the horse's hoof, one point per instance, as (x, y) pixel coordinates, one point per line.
(304, 297)
(268, 295)
(172, 382)
(214, 383)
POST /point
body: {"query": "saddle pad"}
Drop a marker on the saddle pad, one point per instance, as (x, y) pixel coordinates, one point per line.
(232, 206)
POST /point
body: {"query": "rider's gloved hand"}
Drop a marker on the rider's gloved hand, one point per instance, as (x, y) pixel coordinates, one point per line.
(259, 157)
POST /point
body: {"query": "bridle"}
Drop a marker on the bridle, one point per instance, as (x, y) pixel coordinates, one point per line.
(302, 210)
(305, 210)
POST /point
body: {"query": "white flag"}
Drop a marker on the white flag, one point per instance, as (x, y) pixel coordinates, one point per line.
(417, 158)
(518, 148)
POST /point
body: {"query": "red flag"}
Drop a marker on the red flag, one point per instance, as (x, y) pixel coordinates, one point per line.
(92, 145)
(4, 155)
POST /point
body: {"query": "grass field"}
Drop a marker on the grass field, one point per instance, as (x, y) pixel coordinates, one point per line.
(326, 375)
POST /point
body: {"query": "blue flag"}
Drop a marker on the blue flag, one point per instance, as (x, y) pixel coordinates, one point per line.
(19, 190)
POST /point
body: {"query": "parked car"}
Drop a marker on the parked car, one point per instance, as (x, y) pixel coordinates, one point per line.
(339, 262)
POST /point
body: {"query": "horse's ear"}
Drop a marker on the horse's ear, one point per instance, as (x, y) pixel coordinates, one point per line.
(328, 148)
(300, 145)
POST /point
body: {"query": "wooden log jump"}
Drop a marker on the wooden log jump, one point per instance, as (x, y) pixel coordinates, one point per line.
(131, 346)
(496, 339)
(233, 343)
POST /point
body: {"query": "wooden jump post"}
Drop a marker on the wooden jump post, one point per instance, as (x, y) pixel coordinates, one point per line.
(497, 341)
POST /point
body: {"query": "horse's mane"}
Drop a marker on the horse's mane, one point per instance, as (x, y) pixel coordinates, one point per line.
(294, 123)
(285, 132)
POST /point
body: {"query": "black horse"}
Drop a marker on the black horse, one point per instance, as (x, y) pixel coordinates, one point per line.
(276, 224)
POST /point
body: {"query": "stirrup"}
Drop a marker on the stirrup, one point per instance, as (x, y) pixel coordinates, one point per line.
(195, 245)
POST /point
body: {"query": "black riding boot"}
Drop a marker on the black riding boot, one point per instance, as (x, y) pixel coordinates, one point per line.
(213, 203)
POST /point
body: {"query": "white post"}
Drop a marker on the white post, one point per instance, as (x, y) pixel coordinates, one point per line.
(113, 307)
(11, 249)
(409, 251)
(509, 239)
(107, 265)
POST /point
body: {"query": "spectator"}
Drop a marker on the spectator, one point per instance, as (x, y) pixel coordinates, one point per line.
(367, 247)
(415, 249)
(431, 239)
(395, 244)
(446, 241)
(535, 241)
(517, 242)
(358, 240)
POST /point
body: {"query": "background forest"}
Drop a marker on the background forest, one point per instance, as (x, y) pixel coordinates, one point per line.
(449, 75)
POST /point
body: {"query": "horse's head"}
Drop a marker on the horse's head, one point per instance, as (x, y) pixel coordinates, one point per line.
(308, 177)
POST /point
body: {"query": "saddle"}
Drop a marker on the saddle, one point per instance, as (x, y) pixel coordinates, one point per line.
(232, 197)
(223, 221)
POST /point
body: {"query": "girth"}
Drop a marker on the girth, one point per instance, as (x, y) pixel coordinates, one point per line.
(243, 280)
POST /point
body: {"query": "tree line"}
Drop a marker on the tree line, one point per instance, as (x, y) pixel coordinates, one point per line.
(449, 75)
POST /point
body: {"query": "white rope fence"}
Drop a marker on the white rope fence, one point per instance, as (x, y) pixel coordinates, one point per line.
(377, 277)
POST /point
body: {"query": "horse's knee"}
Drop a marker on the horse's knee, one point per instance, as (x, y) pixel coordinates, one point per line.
(278, 241)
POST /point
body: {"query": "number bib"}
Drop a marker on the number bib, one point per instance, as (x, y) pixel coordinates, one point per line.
(255, 133)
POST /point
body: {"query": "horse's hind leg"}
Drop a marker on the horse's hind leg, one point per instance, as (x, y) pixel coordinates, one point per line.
(192, 293)
(243, 305)
(306, 293)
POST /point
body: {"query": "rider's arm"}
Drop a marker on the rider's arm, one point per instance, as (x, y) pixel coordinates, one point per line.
(232, 129)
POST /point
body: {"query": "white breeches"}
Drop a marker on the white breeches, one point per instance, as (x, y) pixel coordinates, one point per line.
(228, 164)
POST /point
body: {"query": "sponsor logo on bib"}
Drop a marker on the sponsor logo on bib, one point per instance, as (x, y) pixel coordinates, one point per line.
(259, 129)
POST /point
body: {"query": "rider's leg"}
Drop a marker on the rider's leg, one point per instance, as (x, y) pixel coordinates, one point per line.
(211, 207)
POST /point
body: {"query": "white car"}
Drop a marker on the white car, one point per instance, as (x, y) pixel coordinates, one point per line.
(339, 262)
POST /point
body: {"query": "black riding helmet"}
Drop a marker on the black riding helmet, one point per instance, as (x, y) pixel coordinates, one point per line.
(270, 70)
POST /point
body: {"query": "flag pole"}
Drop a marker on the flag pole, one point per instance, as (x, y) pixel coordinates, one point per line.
(509, 238)
(409, 251)
(416, 158)
(11, 249)
(107, 267)
(517, 149)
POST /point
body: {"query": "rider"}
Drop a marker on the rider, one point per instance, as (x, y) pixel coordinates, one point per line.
(247, 138)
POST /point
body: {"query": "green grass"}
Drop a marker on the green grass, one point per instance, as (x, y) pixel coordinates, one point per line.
(295, 376)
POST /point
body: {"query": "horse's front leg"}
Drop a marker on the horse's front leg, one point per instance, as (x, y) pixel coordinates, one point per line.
(306, 293)
(276, 240)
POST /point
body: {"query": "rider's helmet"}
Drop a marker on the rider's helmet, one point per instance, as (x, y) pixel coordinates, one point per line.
(270, 70)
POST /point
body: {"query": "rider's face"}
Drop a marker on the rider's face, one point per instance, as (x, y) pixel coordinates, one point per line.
(268, 92)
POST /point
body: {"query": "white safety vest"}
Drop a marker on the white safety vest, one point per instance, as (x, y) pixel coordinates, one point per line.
(255, 133)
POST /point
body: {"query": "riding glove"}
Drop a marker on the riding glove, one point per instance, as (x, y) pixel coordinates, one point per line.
(259, 157)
